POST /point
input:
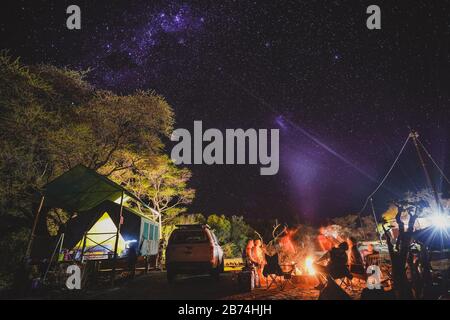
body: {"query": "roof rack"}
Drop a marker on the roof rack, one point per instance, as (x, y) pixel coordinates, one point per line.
(192, 226)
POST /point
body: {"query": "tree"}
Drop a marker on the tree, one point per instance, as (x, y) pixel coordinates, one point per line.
(232, 232)
(403, 254)
(51, 120)
(240, 232)
(196, 218)
(159, 182)
(361, 229)
(109, 126)
(221, 226)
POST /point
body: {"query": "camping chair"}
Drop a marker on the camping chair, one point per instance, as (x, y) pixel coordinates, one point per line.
(272, 271)
(343, 282)
(276, 273)
(288, 270)
(339, 277)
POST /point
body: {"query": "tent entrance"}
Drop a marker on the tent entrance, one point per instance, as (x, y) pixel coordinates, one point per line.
(98, 243)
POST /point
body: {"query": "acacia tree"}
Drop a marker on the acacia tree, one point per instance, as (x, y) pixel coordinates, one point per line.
(232, 232)
(110, 126)
(51, 120)
(160, 183)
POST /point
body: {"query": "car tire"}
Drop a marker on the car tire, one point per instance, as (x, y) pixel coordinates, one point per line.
(215, 273)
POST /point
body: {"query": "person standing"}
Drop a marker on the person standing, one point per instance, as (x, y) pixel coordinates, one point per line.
(247, 253)
(259, 259)
(132, 259)
(159, 258)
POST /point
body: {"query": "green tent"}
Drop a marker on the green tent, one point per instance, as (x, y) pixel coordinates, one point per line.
(81, 189)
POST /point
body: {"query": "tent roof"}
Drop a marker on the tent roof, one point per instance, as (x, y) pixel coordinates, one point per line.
(81, 189)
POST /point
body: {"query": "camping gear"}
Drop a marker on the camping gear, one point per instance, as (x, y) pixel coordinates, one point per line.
(278, 274)
(247, 279)
(102, 222)
(97, 206)
(272, 271)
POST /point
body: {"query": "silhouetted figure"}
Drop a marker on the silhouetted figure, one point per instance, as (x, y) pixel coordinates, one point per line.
(356, 262)
(337, 264)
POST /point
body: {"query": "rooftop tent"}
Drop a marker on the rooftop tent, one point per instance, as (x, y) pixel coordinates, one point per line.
(434, 238)
(83, 191)
(100, 224)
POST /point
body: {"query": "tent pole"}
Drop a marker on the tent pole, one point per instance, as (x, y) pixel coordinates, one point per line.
(83, 248)
(58, 244)
(376, 221)
(62, 241)
(113, 271)
(362, 226)
(414, 135)
(33, 229)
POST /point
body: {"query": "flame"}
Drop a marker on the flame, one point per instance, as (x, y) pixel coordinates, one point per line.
(298, 272)
(309, 266)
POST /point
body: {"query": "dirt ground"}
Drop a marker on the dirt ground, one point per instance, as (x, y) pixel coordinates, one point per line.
(154, 286)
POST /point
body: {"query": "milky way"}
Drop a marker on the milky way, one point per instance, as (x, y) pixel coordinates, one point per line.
(129, 57)
(310, 68)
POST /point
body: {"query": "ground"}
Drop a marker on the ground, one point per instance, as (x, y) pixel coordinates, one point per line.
(155, 286)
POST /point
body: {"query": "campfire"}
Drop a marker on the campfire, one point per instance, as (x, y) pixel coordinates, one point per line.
(305, 275)
(306, 268)
(309, 266)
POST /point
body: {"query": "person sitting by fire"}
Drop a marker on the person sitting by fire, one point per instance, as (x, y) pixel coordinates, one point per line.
(328, 239)
(355, 259)
(336, 267)
(369, 252)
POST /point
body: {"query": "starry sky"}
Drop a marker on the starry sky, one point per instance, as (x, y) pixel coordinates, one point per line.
(343, 97)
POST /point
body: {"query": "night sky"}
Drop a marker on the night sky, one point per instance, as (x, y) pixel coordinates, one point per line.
(342, 96)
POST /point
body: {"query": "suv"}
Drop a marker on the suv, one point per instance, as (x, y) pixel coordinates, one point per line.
(193, 249)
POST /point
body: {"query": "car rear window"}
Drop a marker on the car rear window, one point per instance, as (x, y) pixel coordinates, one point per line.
(188, 236)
